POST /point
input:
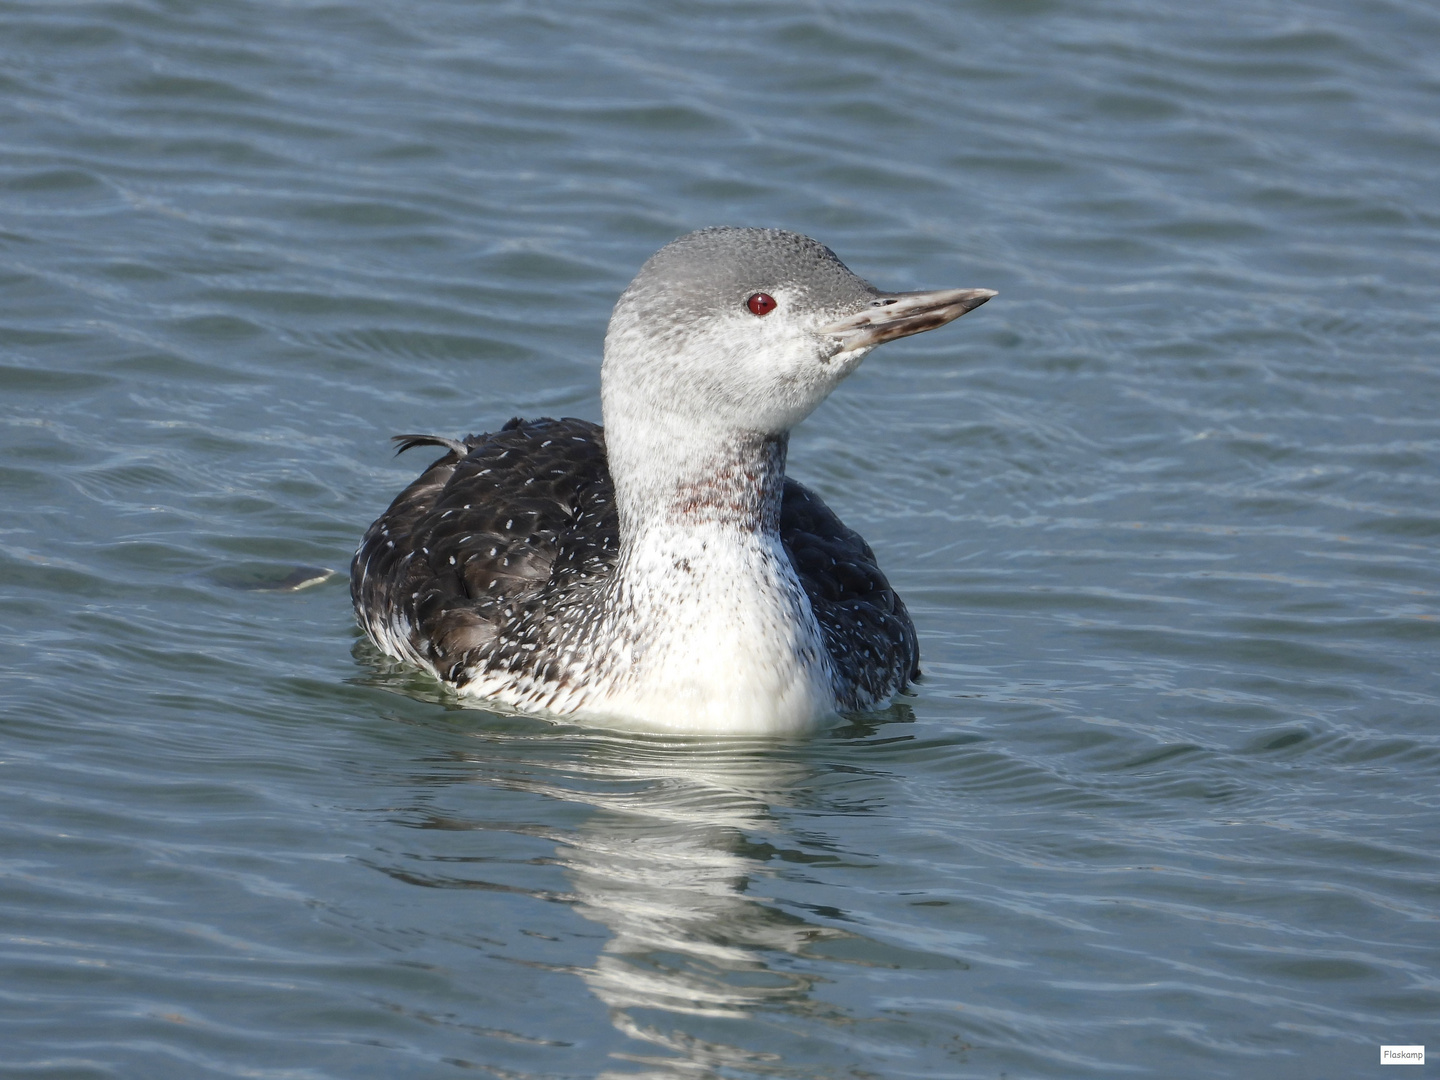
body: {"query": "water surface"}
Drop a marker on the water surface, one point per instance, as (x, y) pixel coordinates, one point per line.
(1166, 513)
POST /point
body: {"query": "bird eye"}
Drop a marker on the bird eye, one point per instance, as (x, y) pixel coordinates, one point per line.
(761, 304)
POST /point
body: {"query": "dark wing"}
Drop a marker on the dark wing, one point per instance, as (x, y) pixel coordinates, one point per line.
(867, 630)
(481, 534)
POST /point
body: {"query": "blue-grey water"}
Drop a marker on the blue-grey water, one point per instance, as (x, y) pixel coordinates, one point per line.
(1166, 511)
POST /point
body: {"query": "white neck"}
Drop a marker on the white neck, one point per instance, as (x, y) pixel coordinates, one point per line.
(711, 627)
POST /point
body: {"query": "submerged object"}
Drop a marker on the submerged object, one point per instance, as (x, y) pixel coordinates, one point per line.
(662, 573)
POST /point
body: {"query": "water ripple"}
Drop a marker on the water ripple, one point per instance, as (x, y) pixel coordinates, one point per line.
(1164, 803)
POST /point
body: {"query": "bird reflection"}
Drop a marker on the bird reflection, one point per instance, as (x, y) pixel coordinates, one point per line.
(672, 861)
(666, 868)
(666, 864)
(674, 855)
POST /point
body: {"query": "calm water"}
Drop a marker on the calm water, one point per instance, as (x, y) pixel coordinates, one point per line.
(1166, 512)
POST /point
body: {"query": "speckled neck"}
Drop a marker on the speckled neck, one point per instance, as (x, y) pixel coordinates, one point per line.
(742, 489)
(673, 474)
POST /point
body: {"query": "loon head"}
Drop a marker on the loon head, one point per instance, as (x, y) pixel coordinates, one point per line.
(748, 331)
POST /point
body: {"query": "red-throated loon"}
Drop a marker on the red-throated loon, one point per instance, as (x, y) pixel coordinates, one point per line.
(661, 573)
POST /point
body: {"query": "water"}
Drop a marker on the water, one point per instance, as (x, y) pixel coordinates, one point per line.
(1166, 513)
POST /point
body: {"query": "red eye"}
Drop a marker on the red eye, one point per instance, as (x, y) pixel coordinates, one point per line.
(761, 304)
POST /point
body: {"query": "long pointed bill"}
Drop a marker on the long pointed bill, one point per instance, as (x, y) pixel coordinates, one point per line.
(897, 315)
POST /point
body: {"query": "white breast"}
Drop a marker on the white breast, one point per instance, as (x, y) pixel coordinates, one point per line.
(713, 634)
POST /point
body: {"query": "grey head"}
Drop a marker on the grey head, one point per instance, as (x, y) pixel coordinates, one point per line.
(748, 330)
